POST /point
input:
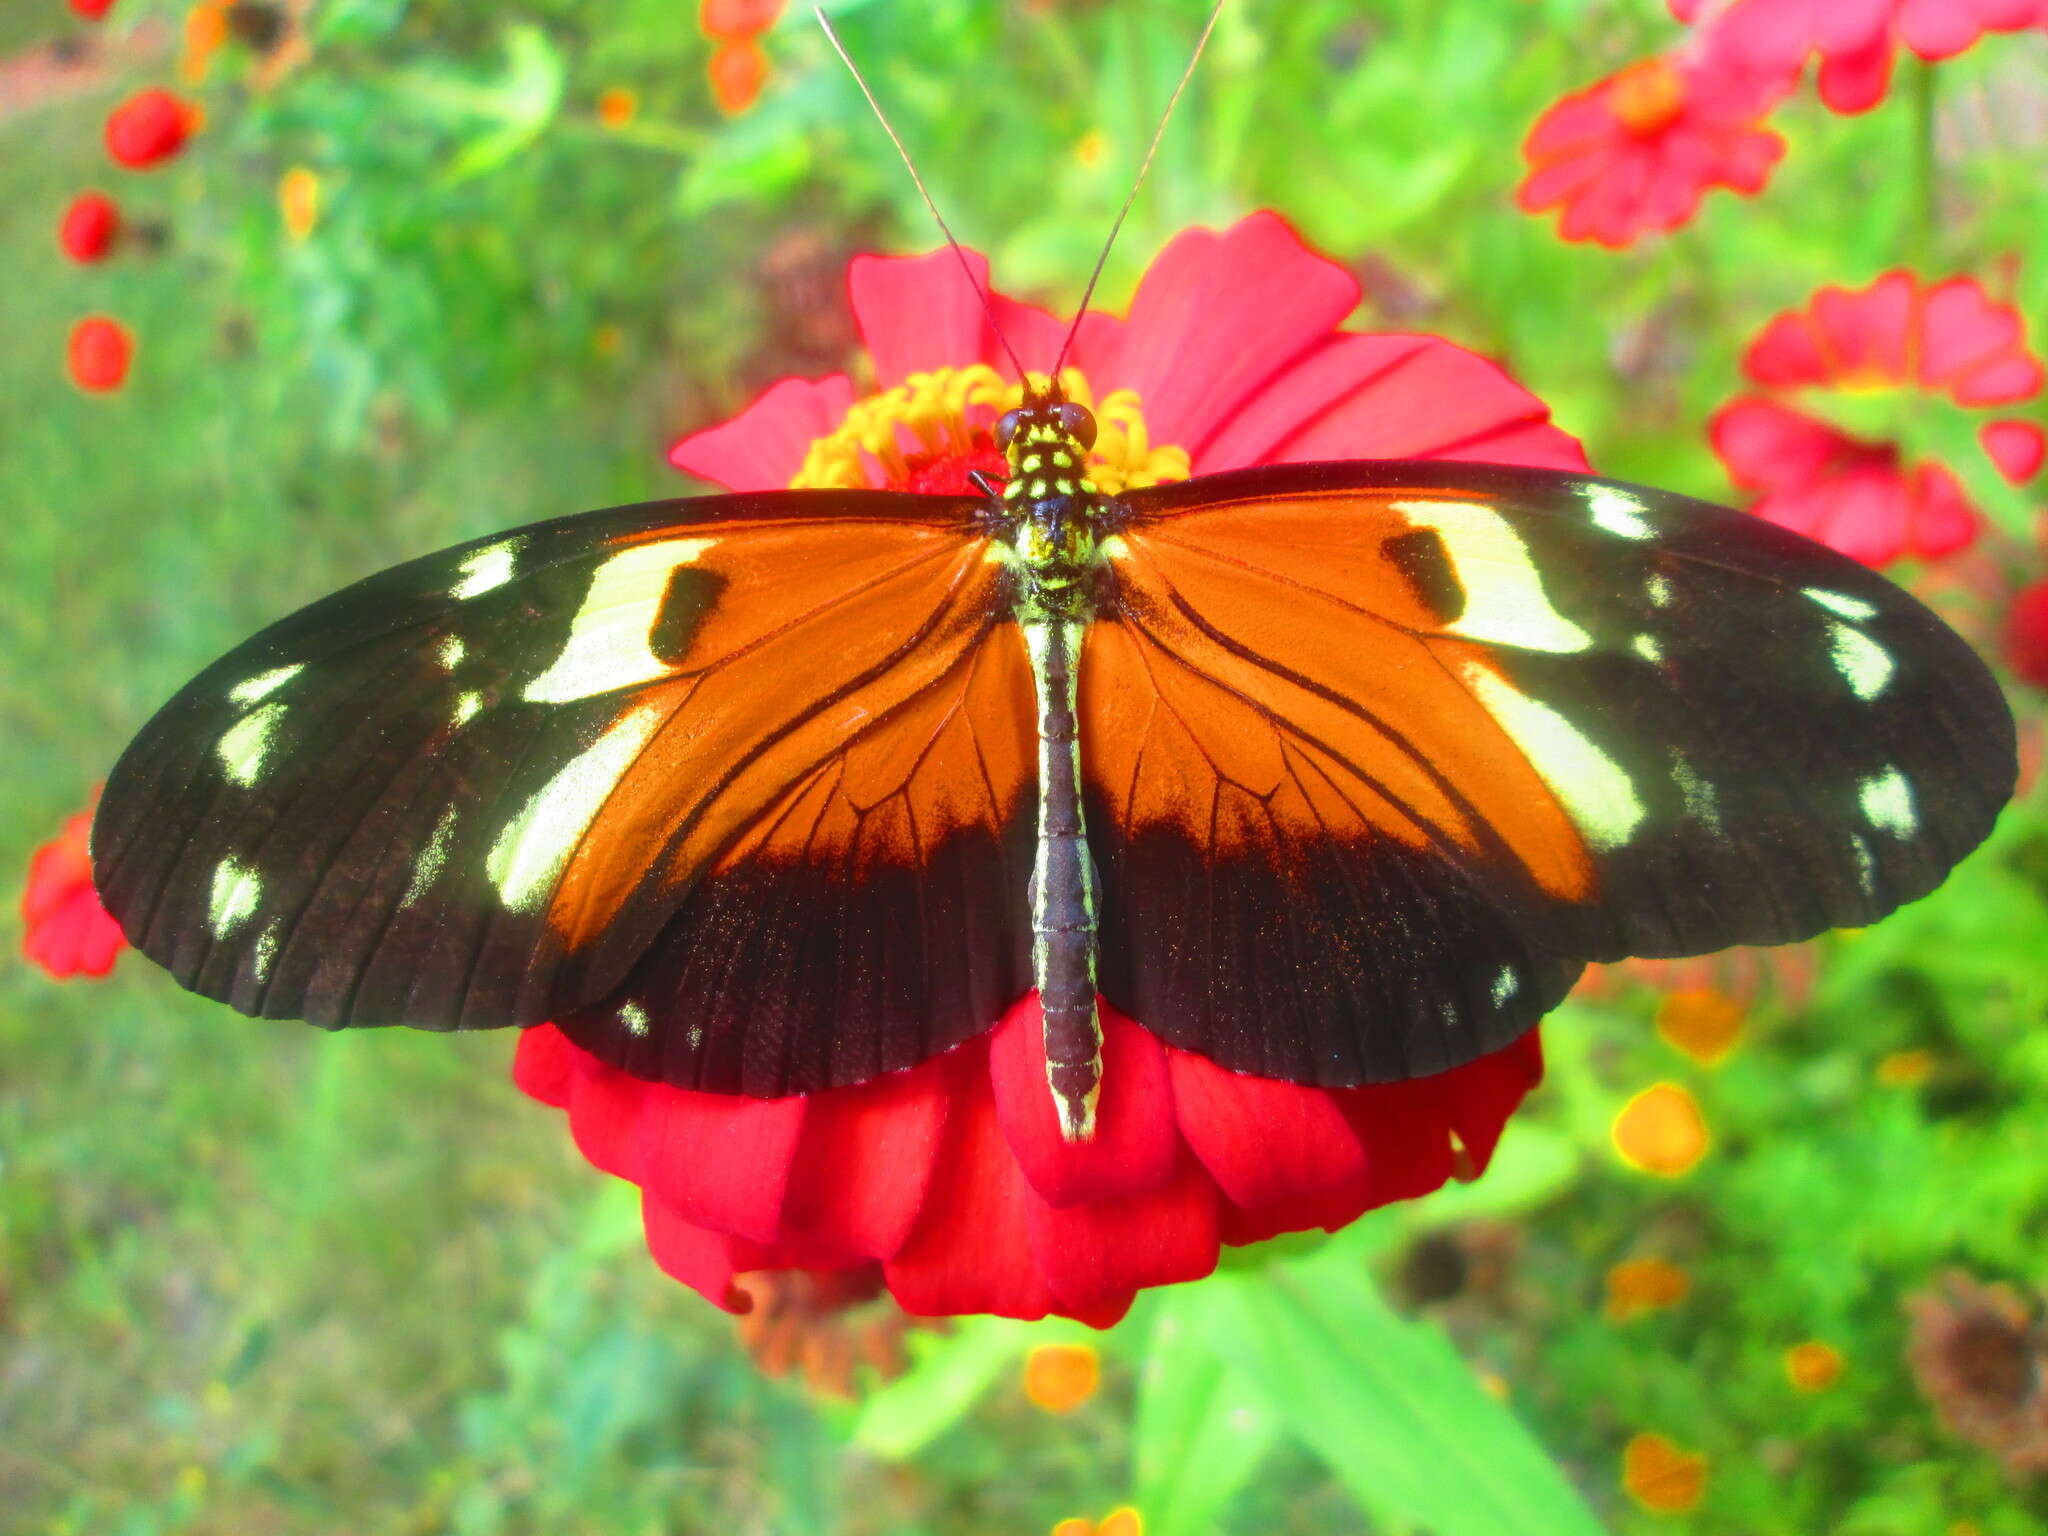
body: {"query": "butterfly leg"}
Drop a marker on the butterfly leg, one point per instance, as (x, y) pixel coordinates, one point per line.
(1063, 885)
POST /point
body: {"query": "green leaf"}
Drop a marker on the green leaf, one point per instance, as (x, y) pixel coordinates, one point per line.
(951, 1373)
(520, 104)
(1202, 1429)
(1389, 1405)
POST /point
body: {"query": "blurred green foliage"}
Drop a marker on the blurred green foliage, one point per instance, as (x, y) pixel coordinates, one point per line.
(256, 1281)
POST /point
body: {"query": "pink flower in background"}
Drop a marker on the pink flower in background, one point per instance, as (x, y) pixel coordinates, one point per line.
(1635, 153)
(1902, 334)
(1857, 40)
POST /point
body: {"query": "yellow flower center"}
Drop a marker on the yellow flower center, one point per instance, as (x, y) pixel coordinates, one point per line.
(889, 438)
(1647, 98)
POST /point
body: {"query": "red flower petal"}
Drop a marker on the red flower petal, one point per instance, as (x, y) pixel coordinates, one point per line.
(920, 313)
(1096, 1256)
(1855, 80)
(544, 1066)
(1974, 348)
(604, 1118)
(1786, 355)
(2026, 634)
(1135, 1147)
(971, 1251)
(1765, 445)
(65, 929)
(1865, 333)
(1395, 397)
(1262, 1141)
(2015, 447)
(763, 447)
(719, 1160)
(864, 1163)
(702, 1260)
(1218, 316)
(1942, 520)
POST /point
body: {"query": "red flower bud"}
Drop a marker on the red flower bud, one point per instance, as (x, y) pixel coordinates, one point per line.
(2026, 633)
(91, 225)
(100, 350)
(147, 128)
(737, 73)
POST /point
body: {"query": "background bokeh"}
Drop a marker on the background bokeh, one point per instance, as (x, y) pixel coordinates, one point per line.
(433, 267)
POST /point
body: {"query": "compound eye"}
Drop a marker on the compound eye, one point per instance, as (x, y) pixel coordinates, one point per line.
(1076, 422)
(1006, 427)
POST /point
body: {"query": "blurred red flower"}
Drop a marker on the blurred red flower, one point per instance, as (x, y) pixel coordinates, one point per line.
(734, 20)
(951, 1180)
(1856, 39)
(99, 353)
(66, 930)
(89, 227)
(148, 128)
(92, 10)
(737, 72)
(2026, 633)
(1635, 153)
(1898, 334)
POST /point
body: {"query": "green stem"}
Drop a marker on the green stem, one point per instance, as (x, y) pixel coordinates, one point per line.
(1924, 209)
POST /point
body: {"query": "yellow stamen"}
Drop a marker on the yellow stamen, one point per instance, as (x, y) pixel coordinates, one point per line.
(940, 412)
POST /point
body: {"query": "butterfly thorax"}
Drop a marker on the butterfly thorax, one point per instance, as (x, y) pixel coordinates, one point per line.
(1052, 519)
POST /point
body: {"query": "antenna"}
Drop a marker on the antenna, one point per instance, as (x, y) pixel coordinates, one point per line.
(987, 308)
(1143, 166)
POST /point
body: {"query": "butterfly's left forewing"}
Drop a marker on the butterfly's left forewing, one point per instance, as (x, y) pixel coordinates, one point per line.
(637, 749)
(1379, 754)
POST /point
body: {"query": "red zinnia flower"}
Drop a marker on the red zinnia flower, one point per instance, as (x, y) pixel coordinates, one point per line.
(99, 352)
(89, 227)
(1899, 334)
(148, 128)
(1636, 152)
(951, 1180)
(92, 10)
(68, 933)
(1856, 39)
(2026, 634)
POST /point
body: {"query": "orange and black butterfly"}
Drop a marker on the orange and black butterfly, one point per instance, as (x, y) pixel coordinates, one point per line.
(1333, 773)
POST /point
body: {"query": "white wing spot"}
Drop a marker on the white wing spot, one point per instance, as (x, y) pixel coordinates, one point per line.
(534, 848)
(426, 869)
(1658, 589)
(1504, 598)
(1866, 665)
(1840, 603)
(1505, 986)
(1887, 800)
(450, 652)
(247, 743)
(634, 1017)
(1618, 512)
(1866, 865)
(607, 648)
(467, 703)
(254, 690)
(236, 891)
(1646, 646)
(1594, 791)
(486, 569)
(1702, 800)
(266, 951)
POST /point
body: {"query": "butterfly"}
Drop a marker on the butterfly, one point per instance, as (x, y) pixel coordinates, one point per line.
(1330, 772)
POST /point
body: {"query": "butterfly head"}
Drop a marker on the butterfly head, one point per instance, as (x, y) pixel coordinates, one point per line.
(1046, 440)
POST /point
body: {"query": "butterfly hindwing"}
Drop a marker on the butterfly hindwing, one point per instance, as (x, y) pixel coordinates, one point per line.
(1379, 754)
(489, 786)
